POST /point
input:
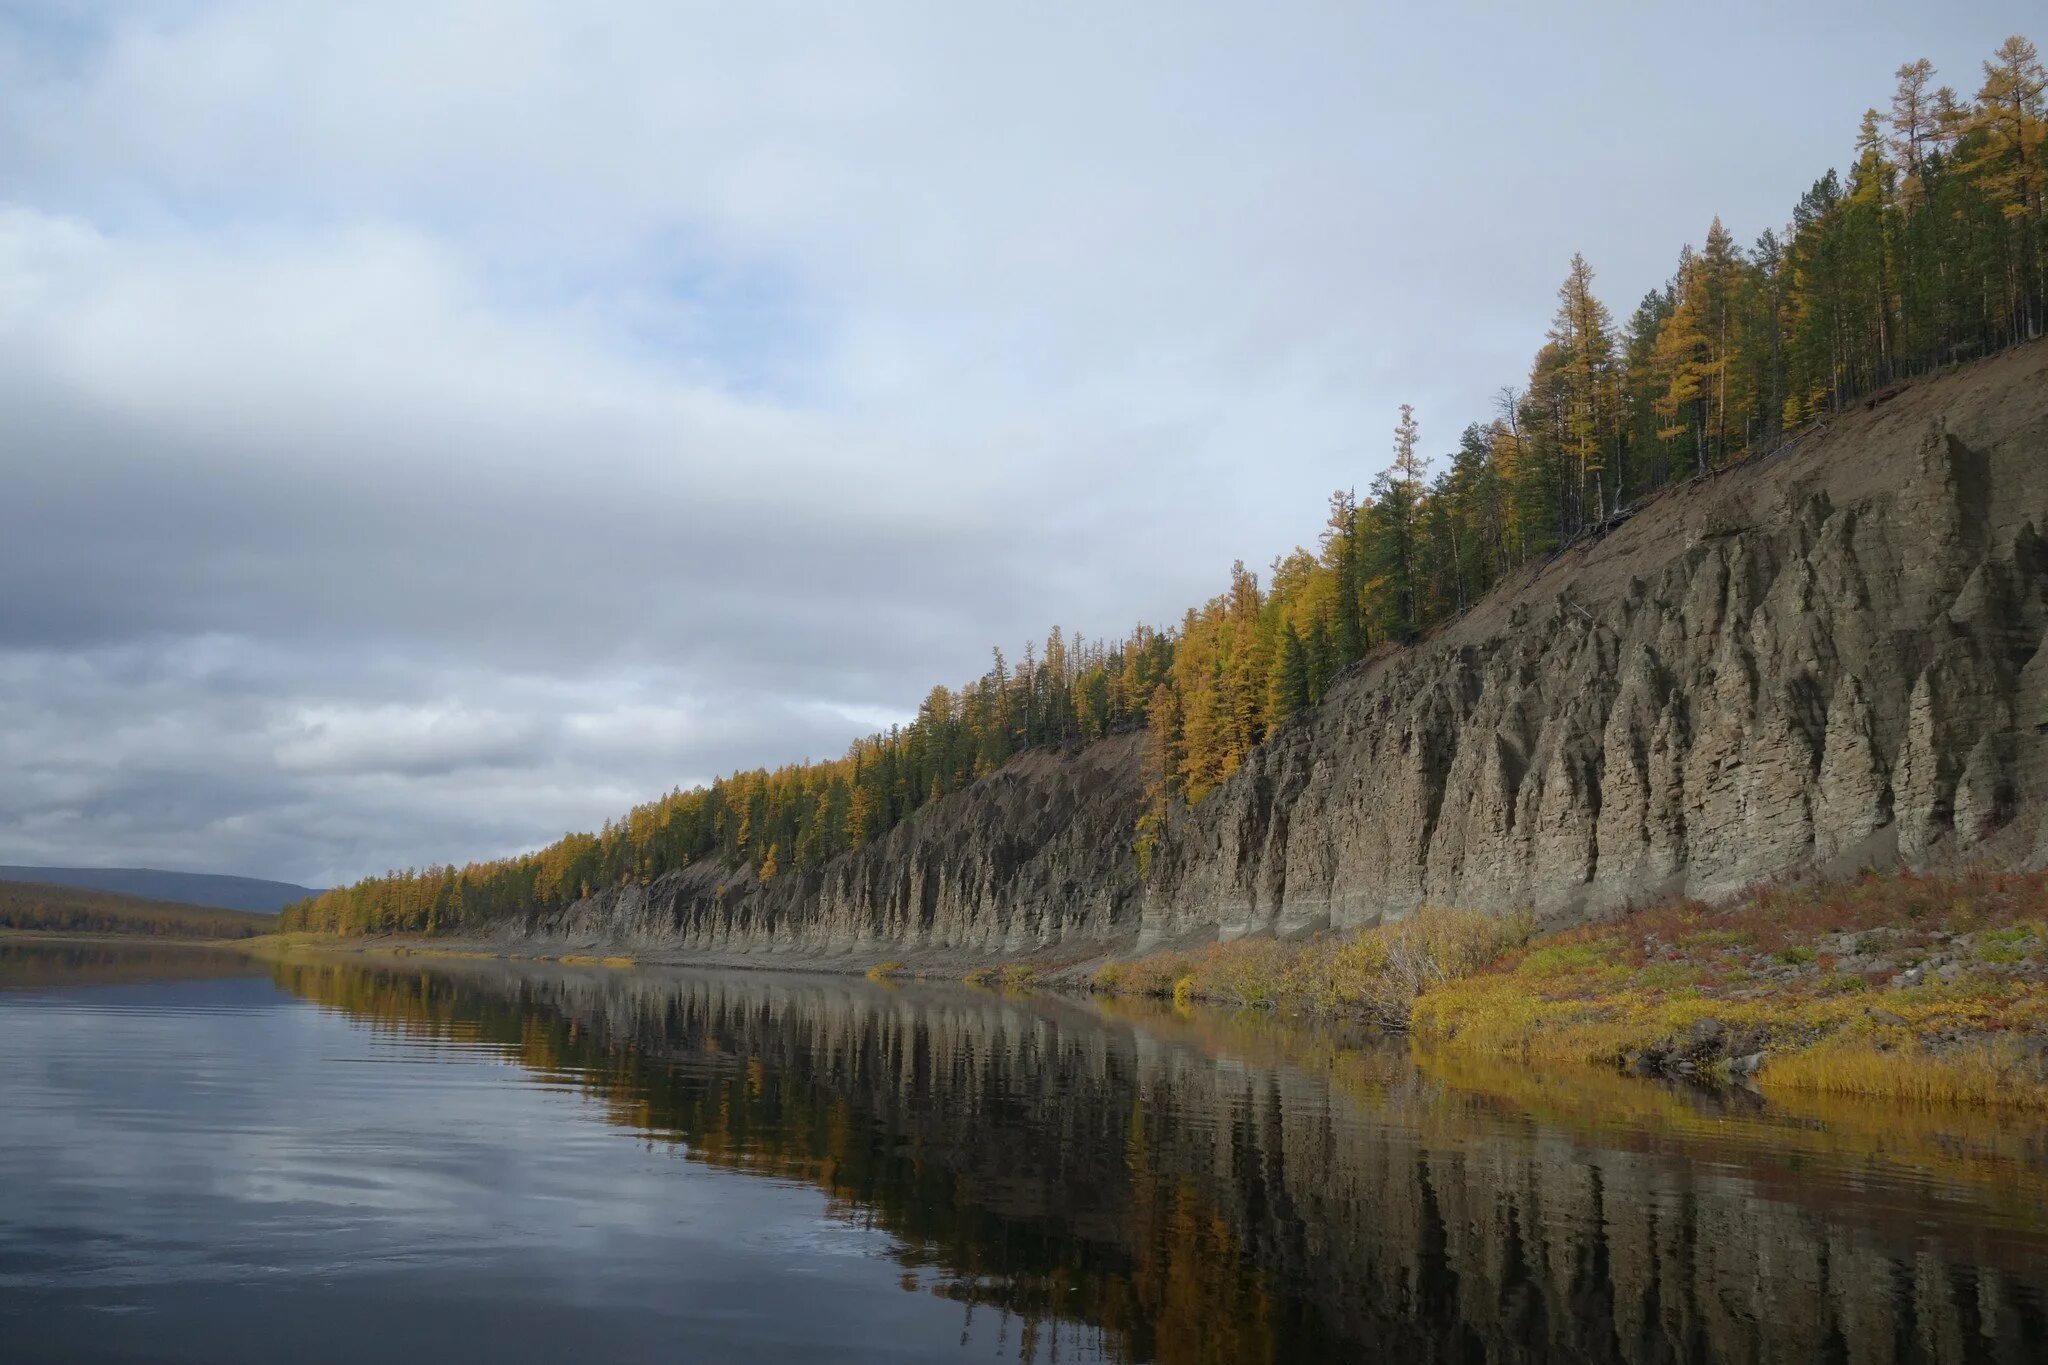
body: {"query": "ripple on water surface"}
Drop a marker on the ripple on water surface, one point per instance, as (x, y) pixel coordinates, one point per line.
(334, 1159)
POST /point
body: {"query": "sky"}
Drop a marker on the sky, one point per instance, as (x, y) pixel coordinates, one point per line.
(429, 427)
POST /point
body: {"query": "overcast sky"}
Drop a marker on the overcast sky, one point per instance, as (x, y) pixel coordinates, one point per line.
(428, 427)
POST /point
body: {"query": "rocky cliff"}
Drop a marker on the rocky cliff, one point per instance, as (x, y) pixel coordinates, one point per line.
(1034, 855)
(1827, 657)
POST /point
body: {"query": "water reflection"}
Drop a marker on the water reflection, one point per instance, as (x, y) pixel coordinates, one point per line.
(207, 1157)
(1214, 1189)
(28, 963)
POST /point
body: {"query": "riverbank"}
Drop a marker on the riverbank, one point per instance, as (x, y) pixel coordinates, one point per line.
(879, 961)
(1889, 986)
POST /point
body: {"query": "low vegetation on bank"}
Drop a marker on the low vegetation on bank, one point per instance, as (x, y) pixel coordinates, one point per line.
(1376, 973)
(1899, 986)
(1011, 976)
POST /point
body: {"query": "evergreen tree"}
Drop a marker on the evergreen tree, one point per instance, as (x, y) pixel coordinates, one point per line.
(1341, 555)
(1322, 658)
(1397, 507)
(2009, 163)
(1290, 676)
(1583, 333)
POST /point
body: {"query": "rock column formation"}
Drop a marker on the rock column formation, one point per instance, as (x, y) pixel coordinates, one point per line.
(1827, 657)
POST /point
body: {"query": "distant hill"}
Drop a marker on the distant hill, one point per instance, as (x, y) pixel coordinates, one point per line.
(83, 910)
(185, 888)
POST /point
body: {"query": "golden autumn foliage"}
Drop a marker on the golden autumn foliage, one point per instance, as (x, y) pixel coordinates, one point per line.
(1932, 250)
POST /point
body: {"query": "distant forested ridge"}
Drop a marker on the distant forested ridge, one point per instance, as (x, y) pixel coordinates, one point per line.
(186, 888)
(1931, 250)
(82, 910)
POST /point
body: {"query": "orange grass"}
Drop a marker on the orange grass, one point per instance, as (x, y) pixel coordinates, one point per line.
(1762, 969)
(1374, 973)
(1893, 986)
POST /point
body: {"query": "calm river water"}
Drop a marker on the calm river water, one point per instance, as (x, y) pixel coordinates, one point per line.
(204, 1158)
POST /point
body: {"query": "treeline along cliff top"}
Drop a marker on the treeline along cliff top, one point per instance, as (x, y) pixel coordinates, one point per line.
(1931, 250)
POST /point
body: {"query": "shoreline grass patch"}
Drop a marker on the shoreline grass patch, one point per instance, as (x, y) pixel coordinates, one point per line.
(1888, 986)
(1375, 973)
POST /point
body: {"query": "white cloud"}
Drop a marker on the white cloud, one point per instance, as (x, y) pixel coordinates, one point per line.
(400, 738)
(434, 424)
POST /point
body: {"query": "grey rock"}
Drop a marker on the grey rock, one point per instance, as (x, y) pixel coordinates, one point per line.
(1812, 665)
(1822, 661)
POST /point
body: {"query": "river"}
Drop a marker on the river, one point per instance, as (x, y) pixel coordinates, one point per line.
(210, 1158)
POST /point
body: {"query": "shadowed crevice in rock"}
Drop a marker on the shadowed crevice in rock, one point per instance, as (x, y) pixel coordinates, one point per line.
(1822, 660)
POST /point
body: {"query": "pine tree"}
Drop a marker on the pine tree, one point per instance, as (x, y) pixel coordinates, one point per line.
(1760, 358)
(1341, 555)
(1914, 128)
(1694, 347)
(2010, 164)
(1290, 676)
(1322, 658)
(1395, 516)
(1868, 219)
(1163, 727)
(1583, 333)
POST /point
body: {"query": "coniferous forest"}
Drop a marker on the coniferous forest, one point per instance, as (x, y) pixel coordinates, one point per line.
(36, 908)
(1929, 251)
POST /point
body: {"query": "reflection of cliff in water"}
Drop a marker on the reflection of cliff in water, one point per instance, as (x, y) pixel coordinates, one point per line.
(1211, 1190)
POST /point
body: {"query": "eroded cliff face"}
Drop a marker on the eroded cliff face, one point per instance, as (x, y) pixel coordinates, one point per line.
(1035, 855)
(1826, 658)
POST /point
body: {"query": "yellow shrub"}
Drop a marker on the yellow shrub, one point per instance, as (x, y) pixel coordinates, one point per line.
(1375, 972)
(1992, 1072)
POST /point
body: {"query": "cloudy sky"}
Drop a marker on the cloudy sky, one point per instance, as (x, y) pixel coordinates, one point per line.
(429, 426)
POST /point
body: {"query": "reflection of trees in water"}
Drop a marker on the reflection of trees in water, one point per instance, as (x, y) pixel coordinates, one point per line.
(1253, 1194)
(29, 963)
